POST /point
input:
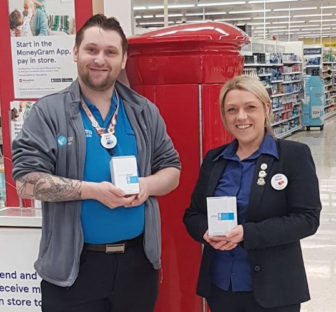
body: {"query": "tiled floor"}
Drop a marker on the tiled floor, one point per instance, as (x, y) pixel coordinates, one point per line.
(320, 250)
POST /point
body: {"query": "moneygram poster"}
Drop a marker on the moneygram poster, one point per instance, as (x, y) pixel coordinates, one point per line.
(42, 37)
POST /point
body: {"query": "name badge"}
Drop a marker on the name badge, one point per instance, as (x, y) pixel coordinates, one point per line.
(279, 181)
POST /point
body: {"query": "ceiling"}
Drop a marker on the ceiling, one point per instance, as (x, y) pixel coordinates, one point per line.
(285, 20)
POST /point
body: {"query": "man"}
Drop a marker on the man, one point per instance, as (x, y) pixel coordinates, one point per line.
(100, 249)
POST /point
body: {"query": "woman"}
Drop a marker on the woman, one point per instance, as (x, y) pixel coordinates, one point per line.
(41, 27)
(257, 266)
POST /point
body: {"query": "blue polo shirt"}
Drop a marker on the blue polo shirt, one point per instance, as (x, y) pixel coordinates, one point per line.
(100, 223)
(231, 270)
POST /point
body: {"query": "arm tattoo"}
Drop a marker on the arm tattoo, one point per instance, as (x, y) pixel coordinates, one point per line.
(46, 187)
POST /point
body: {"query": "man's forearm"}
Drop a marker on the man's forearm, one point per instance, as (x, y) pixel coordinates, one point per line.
(47, 187)
(163, 181)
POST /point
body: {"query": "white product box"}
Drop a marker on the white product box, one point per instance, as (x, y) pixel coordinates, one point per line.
(222, 214)
(124, 174)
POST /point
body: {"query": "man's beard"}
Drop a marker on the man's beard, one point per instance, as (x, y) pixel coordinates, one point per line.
(102, 85)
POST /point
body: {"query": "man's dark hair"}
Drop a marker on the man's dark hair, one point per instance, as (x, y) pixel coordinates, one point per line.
(104, 23)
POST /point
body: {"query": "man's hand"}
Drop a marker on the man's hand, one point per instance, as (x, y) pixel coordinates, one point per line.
(106, 193)
(140, 198)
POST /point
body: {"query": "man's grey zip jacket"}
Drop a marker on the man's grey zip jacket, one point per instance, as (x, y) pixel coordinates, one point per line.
(40, 148)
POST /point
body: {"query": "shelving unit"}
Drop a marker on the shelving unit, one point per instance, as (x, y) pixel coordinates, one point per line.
(329, 76)
(282, 75)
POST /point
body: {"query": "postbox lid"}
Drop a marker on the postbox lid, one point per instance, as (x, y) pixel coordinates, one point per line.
(203, 33)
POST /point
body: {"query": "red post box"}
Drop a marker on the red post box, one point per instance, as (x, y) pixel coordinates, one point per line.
(181, 69)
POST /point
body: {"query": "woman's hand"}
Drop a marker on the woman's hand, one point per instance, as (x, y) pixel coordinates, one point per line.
(236, 235)
(219, 242)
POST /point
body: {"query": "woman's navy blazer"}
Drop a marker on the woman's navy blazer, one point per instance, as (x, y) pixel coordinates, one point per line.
(276, 220)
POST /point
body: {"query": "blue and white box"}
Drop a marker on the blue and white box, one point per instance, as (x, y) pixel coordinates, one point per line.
(124, 173)
(222, 214)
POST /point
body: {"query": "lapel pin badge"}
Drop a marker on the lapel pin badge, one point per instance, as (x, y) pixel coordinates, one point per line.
(263, 166)
(261, 181)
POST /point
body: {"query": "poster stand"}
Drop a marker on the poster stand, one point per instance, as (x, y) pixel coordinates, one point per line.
(83, 10)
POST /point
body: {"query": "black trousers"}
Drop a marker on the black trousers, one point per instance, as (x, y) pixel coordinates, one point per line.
(115, 282)
(228, 301)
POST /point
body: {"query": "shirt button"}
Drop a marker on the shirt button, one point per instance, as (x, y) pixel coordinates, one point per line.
(257, 268)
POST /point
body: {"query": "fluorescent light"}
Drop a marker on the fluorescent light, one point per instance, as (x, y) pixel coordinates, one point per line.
(273, 27)
(300, 26)
(233, 19)
(270, 17)
(323, 20)
(194, 14)
(180, 6)
(316, 29)
(208, 13)
(312, 15)
(169, 15)
(220, 3)
(155, 7)
(139, 8)
(155, 23)
(197, 21)
(295, 9)
(148, 16)
(270, 1)
(249, 11)
(267, 23)
(328, 7)
(288, 22)
(215, 13)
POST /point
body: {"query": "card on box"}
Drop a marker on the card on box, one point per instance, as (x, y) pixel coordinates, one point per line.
(124, 174)
(222, 214)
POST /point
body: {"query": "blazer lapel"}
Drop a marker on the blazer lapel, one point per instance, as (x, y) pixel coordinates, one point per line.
(257, 189)
(215, 175)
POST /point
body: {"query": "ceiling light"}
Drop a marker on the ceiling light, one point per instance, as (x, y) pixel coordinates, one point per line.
(169, 15)
(148, 16)
(180, 6)
(154, 23)
(321, 20)
(289, 22)
(270, 1)
(233, 19)
(249, 11)
(155, 7)
(272, 27)
(194, 14)
(270, 17)
(139, 8)
(197, 21)
(300, 26)
(215, 13)
(295, 9)
(328, 7)
(312, 15)
(259, 23)
(220, 3)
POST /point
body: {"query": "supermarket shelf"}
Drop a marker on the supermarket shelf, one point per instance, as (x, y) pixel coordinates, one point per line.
(331, 114)
(287, 133)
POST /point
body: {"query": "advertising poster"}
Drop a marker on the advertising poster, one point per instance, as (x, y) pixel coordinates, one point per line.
(42, 37)
(19, 283)
(19, 110)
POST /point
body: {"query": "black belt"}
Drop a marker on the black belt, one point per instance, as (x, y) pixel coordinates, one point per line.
(117, 247)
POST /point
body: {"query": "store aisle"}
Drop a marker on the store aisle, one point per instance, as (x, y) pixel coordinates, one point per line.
(320, 249)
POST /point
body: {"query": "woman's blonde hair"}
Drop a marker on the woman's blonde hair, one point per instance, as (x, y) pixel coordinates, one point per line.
(252, 85)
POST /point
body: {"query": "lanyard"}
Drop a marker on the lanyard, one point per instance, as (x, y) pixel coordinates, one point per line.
(107, 139)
